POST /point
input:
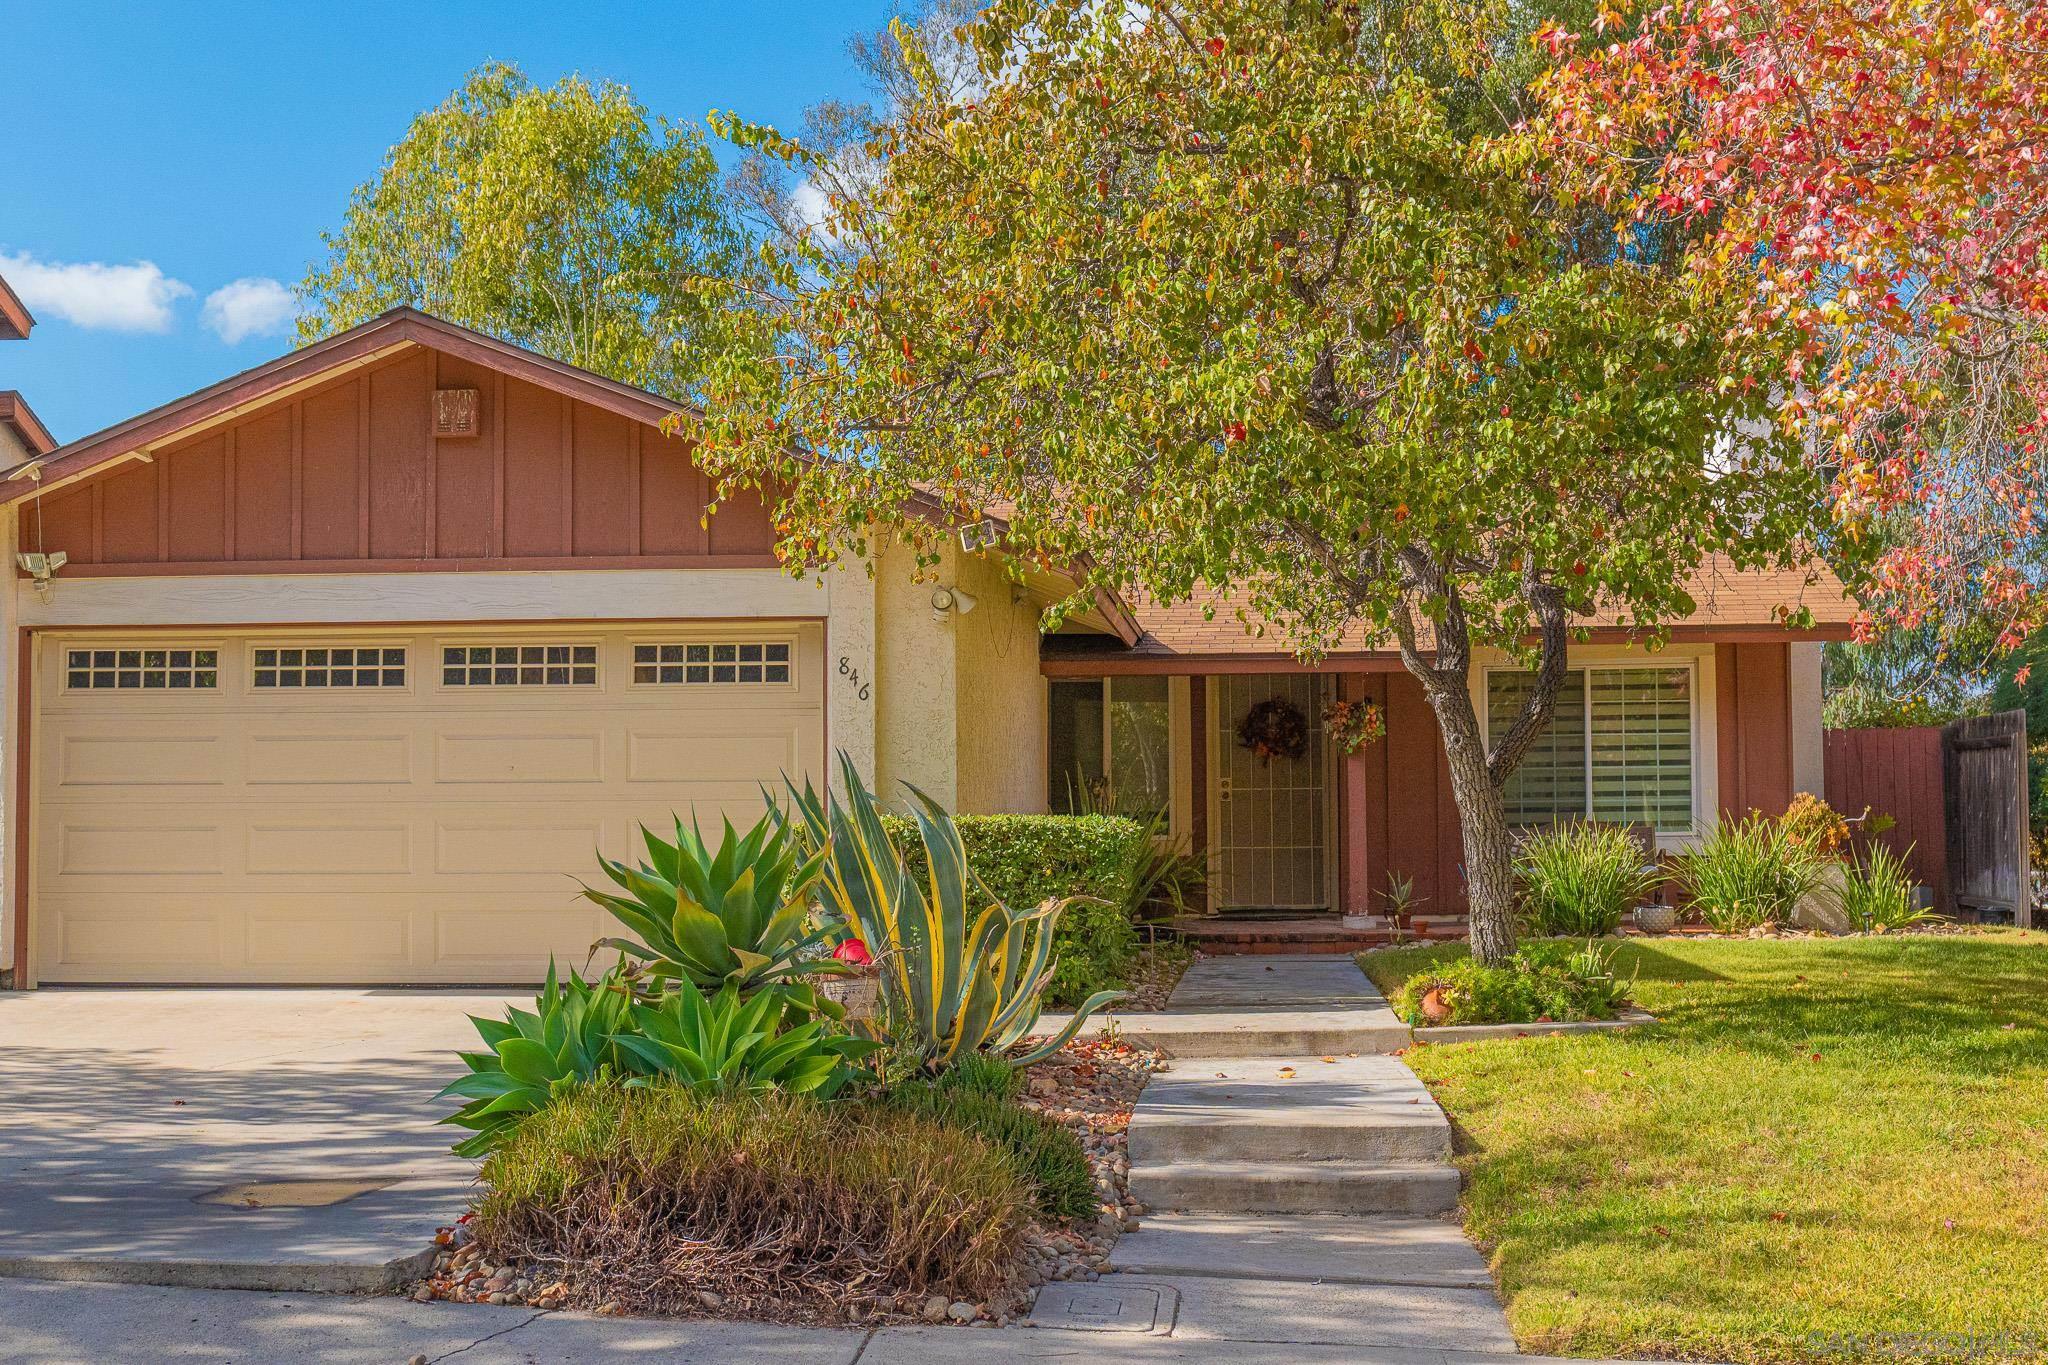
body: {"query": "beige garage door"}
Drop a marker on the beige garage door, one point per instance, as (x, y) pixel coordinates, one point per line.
(383, 806)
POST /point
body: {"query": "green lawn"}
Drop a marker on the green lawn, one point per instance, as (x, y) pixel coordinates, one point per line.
(1827, 1150)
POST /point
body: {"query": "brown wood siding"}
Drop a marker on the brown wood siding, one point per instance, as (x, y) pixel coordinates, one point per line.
(349, 476)
(1896, 773)
(1400, 817)
(1754, 719)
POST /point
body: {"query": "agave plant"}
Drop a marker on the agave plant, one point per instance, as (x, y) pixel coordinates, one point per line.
(741, 1045)
(961, 971)
(741, 915)
(569, 1038)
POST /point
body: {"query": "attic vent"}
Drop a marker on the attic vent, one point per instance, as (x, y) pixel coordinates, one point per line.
(457, 412)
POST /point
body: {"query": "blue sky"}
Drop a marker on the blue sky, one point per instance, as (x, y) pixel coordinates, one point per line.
(215, 142)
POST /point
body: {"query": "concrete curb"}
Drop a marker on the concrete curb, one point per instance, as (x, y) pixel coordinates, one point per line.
(312, 1277)
(1486, 1033)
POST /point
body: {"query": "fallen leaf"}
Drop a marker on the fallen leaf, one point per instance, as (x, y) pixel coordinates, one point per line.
(1661, 1231)
(1333, 1061)
(1779, 1217)
(1287, 1071)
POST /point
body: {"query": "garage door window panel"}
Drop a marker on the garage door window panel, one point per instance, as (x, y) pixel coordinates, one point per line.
(523, 665)
(302, 667)
(141, 668)
(752, 663)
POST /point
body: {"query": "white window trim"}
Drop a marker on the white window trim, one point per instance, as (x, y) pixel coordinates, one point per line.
(1699, 660)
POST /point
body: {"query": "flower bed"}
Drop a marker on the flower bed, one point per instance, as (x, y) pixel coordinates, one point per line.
(660, 1201)
(1553, 982)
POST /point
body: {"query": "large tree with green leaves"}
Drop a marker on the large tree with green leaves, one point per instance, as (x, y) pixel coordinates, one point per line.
(563, 218)
(1275, 294)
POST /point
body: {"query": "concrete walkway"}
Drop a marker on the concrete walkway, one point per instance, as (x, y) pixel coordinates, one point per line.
(1295, 1193)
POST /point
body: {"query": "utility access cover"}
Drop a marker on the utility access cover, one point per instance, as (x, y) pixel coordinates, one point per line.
(294, 1194)
(1106, 1306)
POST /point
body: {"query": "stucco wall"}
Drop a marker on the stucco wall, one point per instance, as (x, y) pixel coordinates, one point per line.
(915, 737)
(850, 666)
(12, 451)
(999, 716)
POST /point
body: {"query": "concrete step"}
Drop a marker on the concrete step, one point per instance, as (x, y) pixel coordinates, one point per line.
(1322, 1248)
(1267, 1031)
(1364, 1108)
(1296, 1186)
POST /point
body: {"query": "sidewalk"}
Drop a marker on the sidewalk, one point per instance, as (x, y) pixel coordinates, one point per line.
(90, 1324)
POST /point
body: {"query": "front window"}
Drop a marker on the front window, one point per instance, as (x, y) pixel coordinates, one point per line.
(1619, 748)
(1111, 746)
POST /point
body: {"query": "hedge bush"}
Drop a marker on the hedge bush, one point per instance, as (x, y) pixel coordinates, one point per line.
(1027, 859)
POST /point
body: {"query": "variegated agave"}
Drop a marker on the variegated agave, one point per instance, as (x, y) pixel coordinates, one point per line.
(961, 971)
(741, 915)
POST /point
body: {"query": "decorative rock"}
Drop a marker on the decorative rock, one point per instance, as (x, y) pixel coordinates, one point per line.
(423, 1295)
(417, 1358)
(963, 1311)
(935, 1308)
(712, 1301)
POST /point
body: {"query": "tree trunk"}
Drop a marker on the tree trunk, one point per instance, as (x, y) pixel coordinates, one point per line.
(1482, 825)
(1489, 848)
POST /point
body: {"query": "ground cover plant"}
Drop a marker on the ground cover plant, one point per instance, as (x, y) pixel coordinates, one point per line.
(1826, 1150)
(1544, 982)
(775, 1206)
(979, 1095)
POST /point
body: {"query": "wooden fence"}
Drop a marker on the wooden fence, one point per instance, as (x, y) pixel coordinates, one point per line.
(1897, 773)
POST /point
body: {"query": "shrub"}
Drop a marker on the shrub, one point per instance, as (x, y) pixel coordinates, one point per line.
(1028, 860)
(1877, 892)
(1816, 826)
(961, 971)
(568, 1039)
(1046, 1153)
(1544, 981)
(1579, 879)
(740, 915)
(785, 1206)
(741, 1045)
(1747, 873)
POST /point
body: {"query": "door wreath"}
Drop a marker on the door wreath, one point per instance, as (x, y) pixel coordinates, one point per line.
(1274, 728)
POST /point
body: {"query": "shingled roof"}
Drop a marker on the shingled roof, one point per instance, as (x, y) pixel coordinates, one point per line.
(1733, 604)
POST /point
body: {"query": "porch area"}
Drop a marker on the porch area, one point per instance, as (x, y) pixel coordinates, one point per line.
(1311, 845)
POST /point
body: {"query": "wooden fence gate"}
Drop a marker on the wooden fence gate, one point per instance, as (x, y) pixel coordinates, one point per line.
(1984, 780)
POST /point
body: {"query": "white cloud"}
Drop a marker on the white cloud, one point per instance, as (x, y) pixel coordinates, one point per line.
(250, 307)
(814, 212)
(116, 298)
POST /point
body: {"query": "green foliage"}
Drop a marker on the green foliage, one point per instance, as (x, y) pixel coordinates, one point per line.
(561, 218)
(570, 1038)
(741, 1045)
(1877, 892)
(1903, 678)
(1285, 253)
(1554, 982)
(980, 1099)
(741, 915)
(1749, 872)
(961, 971)
(1579, 879)
(822, 1208)
(1088, 861)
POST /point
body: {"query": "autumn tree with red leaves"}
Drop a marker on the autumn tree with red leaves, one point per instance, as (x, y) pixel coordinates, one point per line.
(1879, 170)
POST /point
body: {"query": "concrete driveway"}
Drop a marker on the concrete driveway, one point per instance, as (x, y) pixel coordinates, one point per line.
(123, 1109)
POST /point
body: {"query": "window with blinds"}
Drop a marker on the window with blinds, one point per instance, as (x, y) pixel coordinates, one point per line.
(1619, 748)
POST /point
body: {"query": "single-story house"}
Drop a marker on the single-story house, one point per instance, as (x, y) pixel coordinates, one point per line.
(354, 659)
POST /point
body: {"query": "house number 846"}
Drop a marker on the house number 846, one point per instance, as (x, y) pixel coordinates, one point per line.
(853, 678)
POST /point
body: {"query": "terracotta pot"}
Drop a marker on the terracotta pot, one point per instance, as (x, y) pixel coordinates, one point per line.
(1434, 1007)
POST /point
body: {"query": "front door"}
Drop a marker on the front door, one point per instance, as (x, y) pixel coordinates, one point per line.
(1270, 813)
